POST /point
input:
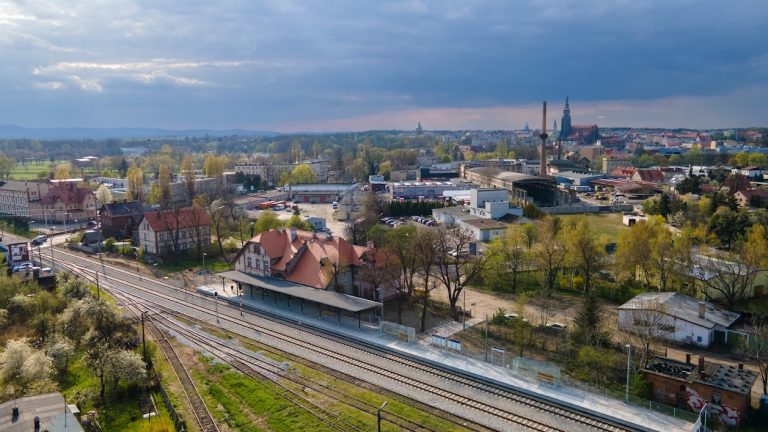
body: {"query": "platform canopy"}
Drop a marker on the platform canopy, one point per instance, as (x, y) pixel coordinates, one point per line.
(329, 298)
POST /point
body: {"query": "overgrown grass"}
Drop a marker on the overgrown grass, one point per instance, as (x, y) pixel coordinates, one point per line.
(606, 226)
(243, 398)
(212, 265)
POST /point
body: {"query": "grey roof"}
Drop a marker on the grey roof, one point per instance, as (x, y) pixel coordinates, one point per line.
(49, 407)
(329, 298)
(683, 307)
(134, 208)
(726, 377)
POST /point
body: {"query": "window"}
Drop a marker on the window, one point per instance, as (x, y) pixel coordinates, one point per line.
(250, 261)
(698, 339)
(258, 264)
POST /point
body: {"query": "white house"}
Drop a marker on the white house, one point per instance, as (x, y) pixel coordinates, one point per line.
(676, 317)
(167, 232)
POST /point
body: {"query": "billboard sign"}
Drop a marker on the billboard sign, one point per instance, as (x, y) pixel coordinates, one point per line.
(19, 252)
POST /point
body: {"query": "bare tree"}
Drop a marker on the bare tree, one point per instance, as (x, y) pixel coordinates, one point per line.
(378, 270)
(426, 245)
(455, 266)
(402, 241)
(189, 176)
(170, 221)
(756, 349)
(646, 325)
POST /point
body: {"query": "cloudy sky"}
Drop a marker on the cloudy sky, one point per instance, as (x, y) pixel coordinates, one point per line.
(298, 65)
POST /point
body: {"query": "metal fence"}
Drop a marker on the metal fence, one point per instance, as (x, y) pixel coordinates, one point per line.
(178, 421)
(404, 333)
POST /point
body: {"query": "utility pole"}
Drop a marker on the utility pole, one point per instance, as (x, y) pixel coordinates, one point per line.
(485, 341)
(378, 415)
(143, 338)
(216, 304)
(98, 290)
(629, 363)
(53, 262)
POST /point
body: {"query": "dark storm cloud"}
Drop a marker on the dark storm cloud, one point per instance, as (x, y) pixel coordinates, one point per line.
(298, 64)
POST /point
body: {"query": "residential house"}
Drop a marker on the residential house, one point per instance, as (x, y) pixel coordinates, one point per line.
(679, 318)
(726, 388)
(751, 197)
(752, 172)
(623, 171)
(16, 196)
(321, 261)
(168, 232)
(42, 412)
(66, 202)
(650, 175)
(120, 219)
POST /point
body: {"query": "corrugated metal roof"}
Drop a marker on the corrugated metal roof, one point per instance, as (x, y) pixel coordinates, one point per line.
(329, 298)
(683, 307)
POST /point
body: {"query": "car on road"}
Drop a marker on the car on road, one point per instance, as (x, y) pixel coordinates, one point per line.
(39, 240)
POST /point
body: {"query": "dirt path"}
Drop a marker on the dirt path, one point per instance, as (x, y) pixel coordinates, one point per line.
(564, 308)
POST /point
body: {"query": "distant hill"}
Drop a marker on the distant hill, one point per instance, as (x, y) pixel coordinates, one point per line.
(18, 132)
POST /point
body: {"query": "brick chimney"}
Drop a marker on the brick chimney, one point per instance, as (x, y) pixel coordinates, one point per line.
(687, 358)
(701, 364)
(702, 309)
(741, 366)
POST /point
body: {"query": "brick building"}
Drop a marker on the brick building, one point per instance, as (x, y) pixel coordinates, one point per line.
(726, 388)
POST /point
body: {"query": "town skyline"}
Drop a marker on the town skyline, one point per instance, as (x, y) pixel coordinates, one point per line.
(305, 66)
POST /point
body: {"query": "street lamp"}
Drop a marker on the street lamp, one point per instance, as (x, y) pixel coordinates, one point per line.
(464, 310)
(378, 415)
(138, 272)
(629, 360)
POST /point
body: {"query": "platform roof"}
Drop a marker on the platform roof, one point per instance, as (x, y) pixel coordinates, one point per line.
(329, 298)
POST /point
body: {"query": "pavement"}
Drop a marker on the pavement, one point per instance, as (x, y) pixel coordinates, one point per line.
(367, 329)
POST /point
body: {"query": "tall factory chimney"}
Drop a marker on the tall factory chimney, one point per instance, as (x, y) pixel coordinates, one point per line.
(543, 136)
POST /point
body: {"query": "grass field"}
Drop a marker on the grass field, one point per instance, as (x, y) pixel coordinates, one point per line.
(29, 171)
(603, 225)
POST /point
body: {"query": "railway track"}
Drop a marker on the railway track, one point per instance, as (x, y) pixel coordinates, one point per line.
(252, 364)
(435, 391)
(203, 416)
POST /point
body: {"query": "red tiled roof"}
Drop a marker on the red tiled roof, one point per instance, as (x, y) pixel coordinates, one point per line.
(623, 171)
(650, 175)
(66, 192)
(308, 258)
(167, 220)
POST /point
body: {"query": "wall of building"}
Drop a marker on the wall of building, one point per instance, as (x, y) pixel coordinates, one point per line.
(684, 331)
(688, 395)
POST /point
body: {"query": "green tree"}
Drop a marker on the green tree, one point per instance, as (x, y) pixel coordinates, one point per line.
(296, 222)
(585, 252)
(303, 174)
(267, 221)
(588, 327)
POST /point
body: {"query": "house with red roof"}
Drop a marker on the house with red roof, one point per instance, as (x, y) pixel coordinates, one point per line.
(650, 175)
(179, 231)
(317, 260)
(65, 202)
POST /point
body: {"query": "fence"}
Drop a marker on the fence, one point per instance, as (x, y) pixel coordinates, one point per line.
(405, 333)
(178, 421)
(587, 209)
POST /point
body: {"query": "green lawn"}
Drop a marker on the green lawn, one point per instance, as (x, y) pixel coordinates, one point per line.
(214, 265)
(29, 171)
(604, 225)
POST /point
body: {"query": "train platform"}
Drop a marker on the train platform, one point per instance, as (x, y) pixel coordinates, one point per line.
(424, 348)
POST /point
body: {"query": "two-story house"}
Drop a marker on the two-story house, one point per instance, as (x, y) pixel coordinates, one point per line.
(66, 202)
(168, 232)
(120, 219)
(318, 260)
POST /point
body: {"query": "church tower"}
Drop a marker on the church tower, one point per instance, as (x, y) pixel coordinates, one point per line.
(419, 129)
(565, 123)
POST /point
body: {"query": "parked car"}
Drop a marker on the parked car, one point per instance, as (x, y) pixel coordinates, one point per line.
(556, 326)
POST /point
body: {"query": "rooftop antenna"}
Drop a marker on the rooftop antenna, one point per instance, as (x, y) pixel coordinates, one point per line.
(543, 136)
